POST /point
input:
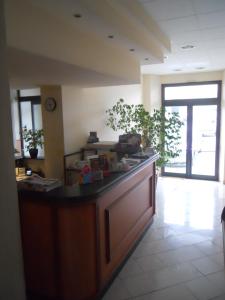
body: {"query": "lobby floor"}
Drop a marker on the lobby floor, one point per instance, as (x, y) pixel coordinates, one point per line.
(181, 255)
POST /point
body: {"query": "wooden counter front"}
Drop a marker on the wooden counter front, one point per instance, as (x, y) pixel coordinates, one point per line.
(72, 249)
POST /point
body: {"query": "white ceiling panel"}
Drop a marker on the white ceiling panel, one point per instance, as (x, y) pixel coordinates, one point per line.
(165, 10)
(213, 33)
(185, 37)
(208, 6)
(212, 20)
(200, 23)
(180, 25)
(217, 44)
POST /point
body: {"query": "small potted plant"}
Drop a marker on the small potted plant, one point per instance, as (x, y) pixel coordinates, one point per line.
(33, 138)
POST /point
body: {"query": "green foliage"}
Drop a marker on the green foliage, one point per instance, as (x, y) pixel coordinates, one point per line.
(34, 138)
(164, 135)
(161, 130)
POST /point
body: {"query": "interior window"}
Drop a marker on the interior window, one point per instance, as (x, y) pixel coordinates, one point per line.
(26, 112)
(191, 91)
(30, 117)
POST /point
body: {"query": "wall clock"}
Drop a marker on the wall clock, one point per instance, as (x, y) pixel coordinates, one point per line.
(50, 104)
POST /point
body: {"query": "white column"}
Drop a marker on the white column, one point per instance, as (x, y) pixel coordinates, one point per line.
(151, 92)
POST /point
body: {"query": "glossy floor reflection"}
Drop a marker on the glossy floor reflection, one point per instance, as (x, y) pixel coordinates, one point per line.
(181, 255)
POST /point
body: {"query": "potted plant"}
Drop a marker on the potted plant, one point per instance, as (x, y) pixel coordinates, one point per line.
(33, 138)
(161, 130)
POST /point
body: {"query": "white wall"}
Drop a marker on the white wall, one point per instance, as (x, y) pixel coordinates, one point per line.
(192, 77)
(11, 270)
(84, 111)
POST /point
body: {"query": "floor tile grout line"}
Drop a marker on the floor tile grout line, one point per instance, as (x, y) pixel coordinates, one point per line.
(166, 287)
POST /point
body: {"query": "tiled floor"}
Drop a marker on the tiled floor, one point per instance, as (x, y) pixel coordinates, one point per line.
(181, 255)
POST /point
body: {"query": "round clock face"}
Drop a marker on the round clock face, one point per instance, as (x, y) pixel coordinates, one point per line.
(50, 104)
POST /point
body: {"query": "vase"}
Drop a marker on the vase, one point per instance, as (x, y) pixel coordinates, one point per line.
(33, 153)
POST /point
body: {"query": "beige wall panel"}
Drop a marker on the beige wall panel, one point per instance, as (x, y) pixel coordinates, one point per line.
(53, 133)
(192, 77)
(151, 92)
(84, 111)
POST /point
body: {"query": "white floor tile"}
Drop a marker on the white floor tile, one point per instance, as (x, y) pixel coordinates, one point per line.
(180, 255)
(206, 265)
(117, 291)
(218, 258)
(222, 297)
(158, 234)
(192, 238)
(208, 247)
(173, 275)
(130, 268)
(139, 285)
(149, 263)
(203, 289)
(218, 279)
(173, 293)
(154, 247)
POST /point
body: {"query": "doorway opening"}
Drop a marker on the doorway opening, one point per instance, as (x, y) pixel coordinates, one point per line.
(199, 107)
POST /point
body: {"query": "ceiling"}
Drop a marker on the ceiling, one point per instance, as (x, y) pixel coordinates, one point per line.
(200, 23)
(108, 42)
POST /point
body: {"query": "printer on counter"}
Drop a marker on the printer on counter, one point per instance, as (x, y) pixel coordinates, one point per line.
(128, 143)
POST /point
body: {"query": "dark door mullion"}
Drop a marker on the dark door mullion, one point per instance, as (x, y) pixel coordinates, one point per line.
(217, 141)
(189, 140)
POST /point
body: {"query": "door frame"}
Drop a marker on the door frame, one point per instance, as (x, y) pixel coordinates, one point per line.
(189, 103)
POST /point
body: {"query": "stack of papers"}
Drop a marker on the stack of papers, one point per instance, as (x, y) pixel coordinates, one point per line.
(37, 183)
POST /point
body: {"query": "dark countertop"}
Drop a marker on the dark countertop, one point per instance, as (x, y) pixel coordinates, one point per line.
(86, 192)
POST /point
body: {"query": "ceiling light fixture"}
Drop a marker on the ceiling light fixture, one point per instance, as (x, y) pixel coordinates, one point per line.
(77, 16)
(187, 47)
(200, 68)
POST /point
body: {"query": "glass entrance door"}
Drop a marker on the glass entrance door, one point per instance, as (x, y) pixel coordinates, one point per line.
(204, 140)
(199, 157)
(178, 165)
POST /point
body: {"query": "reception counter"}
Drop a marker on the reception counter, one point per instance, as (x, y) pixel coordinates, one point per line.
(76, 238)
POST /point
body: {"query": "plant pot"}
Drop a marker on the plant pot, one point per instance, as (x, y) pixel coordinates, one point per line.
(33, 153)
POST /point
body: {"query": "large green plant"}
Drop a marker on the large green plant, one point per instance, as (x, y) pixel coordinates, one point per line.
(161, 130)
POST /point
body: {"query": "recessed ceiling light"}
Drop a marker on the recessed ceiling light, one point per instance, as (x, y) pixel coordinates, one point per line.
(200, 68)
(187, 47)
(177, 70)
(111, 36)
(132, 50)
(77, 16)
